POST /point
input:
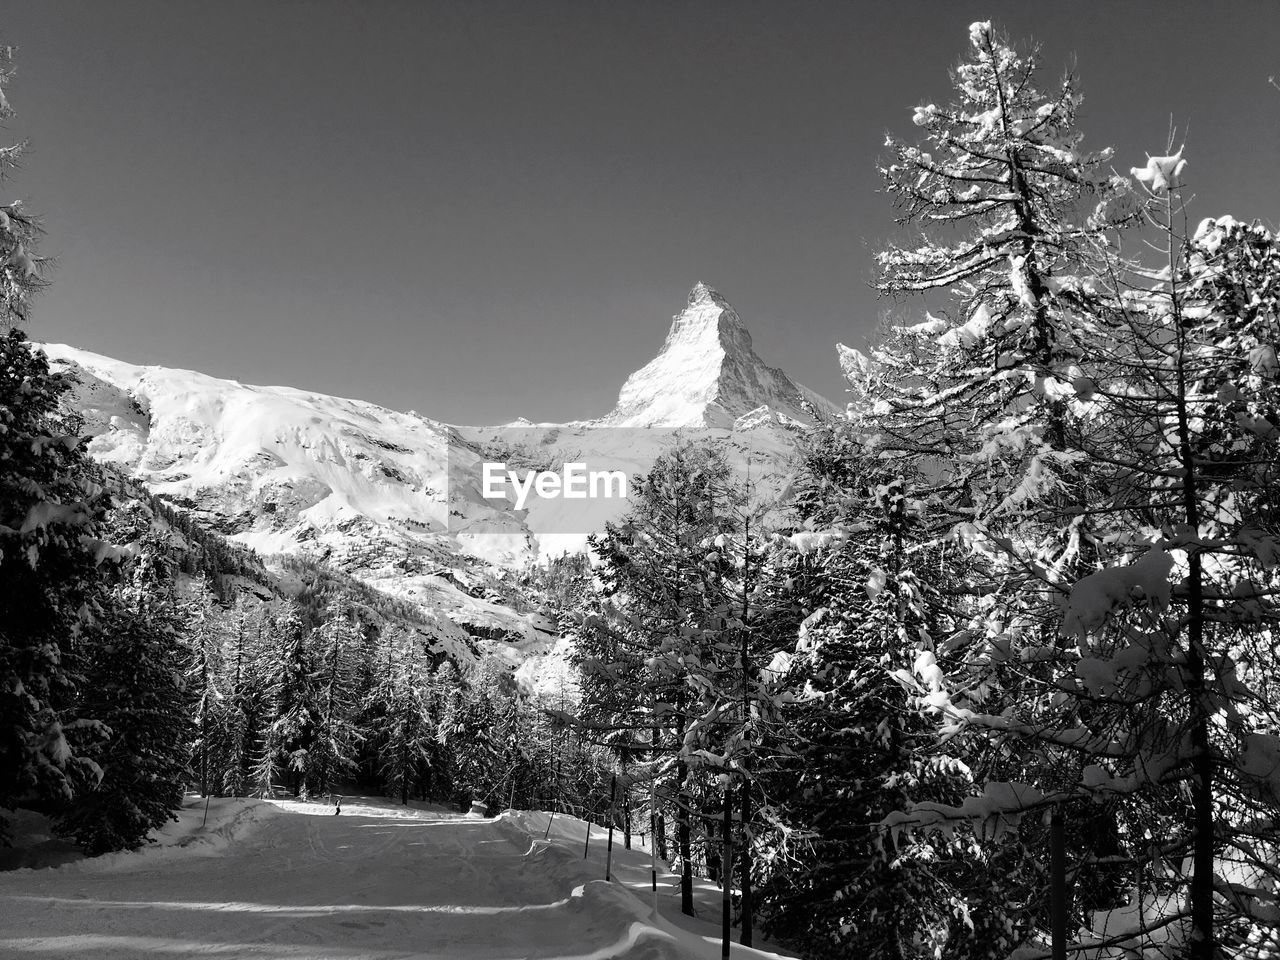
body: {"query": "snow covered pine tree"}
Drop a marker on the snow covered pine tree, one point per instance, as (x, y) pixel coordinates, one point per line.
(1119, 494)
(134, 686)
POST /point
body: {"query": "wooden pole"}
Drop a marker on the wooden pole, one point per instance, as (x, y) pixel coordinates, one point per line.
(587, 846)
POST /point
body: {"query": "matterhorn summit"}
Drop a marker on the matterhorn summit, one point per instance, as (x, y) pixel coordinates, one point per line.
(709, 375)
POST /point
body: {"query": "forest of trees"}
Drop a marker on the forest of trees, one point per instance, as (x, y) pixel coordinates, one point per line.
(1008, 677)
(1004, 677)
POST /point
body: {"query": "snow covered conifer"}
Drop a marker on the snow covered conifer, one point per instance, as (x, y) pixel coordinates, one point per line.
(134, 688)
(407, 721)
(1007, 202)
(1176, 630)
(244, 704)
(468, 731)
(659, 626)
(996, 407)
(987, 403)
(290, 723)
(1011, 211)
(51, 582)
(1147, 691)
(864, 578)
(336, 645)
(204, 682)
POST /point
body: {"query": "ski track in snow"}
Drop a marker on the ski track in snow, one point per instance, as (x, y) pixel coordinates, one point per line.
(290, 880)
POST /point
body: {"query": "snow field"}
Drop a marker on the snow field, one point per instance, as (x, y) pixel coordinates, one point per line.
(284, 879)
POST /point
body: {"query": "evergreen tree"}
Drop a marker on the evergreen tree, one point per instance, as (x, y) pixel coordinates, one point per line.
(204, 680)
(1014, 216)
(134, 687)
(292, 719)
(1150, 700)
(244, 705)
(51, 583)
(445, 687)
(661, 625)
(407, 748)
(985, 408)
(1002, 191)
(466, 731)
(858, 752)
(332, 754)
(1100, 442)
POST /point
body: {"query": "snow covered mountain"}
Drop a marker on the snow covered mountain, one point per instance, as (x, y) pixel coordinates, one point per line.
(708, 375)
(376, 493)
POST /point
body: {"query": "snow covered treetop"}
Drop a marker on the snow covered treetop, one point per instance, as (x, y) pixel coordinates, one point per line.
(1161, 174)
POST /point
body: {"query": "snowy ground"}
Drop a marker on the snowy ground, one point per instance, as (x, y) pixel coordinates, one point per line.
(380, 881)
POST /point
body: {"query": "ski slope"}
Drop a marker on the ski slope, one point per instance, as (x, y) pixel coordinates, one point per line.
(290, 880)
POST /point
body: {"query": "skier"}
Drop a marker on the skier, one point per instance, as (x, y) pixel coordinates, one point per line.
(337, 805)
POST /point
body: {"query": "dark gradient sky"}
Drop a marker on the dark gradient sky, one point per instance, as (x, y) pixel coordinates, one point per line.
(481, 209)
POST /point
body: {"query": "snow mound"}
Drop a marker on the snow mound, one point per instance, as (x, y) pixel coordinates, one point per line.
(193, 834)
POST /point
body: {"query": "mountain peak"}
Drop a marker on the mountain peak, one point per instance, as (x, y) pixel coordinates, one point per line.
(703, 293)
(707, 374)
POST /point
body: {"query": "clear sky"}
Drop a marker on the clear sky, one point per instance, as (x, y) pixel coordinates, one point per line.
(483, 209)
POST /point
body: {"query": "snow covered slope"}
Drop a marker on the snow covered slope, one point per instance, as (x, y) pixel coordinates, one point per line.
(290, 880)
(270, 466)
(285, 471)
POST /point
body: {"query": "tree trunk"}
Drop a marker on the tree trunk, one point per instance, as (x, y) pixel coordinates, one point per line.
(726, 888)
(406, 773)
(626, 818)
(1202, 939)
(204, 722)
(748, 909)
(684, 835)
(1058, 885)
